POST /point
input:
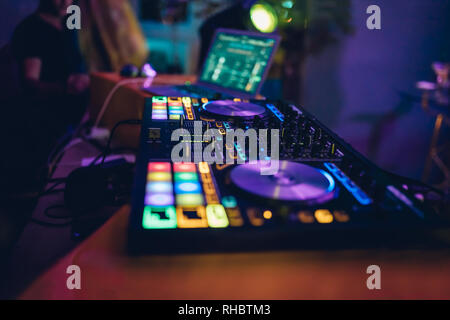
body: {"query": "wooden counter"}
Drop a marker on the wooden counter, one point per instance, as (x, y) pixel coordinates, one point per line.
(126, 103)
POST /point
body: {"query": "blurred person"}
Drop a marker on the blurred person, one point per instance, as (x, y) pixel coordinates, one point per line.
(111, 36)
(53, 96)
(48, 54)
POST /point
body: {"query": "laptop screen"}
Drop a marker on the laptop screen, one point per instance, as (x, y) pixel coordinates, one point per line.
(238, 60)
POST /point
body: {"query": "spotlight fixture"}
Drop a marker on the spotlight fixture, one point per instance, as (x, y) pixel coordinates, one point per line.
(268, 15)
(264, 17)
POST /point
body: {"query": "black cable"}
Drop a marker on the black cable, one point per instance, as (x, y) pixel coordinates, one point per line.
(56, 180)
(118, 124)
(83, 138)
(53, 187)
(60, 181)
(92, 142)
(55, 166)
(49, 224)
(112, 151)
(60, 144)
(69, 136)
(63, 142)
(47, 193)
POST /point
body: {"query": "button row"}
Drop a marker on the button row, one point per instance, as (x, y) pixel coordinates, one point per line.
(172, 108)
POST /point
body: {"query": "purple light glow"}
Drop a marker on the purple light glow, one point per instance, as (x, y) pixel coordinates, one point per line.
(162, 199)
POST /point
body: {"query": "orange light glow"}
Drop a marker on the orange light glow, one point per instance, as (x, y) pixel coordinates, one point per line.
(323, 216)
(267, 214)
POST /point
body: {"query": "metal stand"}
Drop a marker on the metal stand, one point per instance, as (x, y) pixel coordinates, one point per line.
(440, 110)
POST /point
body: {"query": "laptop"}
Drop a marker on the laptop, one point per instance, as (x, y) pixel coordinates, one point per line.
(236, 66)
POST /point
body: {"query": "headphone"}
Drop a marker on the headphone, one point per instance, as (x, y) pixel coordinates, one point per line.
(132, 71)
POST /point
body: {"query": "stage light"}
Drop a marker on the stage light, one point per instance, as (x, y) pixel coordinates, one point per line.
(263, 17)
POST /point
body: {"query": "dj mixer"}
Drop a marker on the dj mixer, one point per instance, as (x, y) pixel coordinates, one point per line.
(323, 195)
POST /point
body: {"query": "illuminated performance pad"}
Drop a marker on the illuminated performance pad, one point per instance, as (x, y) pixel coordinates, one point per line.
(164, 108)
(176, 197)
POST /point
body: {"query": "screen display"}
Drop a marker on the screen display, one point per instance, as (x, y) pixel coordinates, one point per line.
(238, 62)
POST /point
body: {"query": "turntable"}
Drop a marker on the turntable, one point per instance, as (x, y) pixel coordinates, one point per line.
(228, 109)
(293, 182)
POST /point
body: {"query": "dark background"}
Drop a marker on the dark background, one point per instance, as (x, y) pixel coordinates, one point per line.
(353, 84)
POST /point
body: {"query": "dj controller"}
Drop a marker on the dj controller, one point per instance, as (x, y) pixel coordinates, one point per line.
(322, 195)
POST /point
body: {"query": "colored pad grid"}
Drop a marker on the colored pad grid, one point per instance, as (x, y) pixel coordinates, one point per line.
(159, 115)
(159, 190)
(159, 211)
(159, 108)
(188, 190)
(175, 112)
(175, 108)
